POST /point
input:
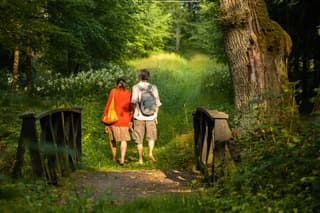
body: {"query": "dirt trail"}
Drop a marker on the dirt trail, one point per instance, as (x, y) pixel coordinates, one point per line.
(126, 186)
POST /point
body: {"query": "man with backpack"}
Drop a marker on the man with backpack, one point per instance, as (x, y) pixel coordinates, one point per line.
(145, 102)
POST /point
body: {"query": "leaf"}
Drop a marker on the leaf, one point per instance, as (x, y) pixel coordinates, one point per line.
(308, 179)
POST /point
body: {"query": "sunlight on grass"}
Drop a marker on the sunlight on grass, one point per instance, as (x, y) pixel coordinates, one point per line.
(178, 153)
(164, 61)
(168, 203)
(201, 62)
(183, 85)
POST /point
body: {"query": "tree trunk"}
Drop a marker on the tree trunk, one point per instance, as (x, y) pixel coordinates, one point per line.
(29, 68)
(257, 49)
(15, 69)
(178, 38)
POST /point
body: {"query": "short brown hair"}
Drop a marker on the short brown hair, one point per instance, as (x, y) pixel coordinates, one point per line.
(144, 75)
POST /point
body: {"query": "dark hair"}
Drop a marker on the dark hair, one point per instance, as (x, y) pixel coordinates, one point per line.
(121, 82)
(121, 79)
(144, 74)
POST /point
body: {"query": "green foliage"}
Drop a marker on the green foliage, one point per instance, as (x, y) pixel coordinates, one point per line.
(175, 203)
(279, 161)
(89, 89)
(39, 197)
(183, 85)
(4, 84)
(208, 35)
(279, 170)
(82, 84)
(175, 76)
(71, 36)
(150, 30)
(23, 24)
(316, 101)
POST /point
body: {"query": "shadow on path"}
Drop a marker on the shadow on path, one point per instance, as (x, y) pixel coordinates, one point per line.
(129, 185)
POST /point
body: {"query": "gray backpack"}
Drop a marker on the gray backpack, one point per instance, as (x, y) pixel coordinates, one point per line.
(147, 102)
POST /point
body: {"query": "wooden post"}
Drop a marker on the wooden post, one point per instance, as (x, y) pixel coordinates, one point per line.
(213, 142)
(28, 137)
(58, 150)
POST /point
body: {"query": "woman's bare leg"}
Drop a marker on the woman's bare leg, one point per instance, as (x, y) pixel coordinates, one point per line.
(123, 150)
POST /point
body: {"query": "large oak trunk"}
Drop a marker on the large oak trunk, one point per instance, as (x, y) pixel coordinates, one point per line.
(257, 49)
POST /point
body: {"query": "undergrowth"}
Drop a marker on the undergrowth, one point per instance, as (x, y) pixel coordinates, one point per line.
(182, 88)
(279, 171)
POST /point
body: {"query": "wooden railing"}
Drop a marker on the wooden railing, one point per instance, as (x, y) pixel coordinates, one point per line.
(214, 145)
(58, 149)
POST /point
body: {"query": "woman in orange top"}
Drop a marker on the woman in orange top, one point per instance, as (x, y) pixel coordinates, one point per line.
(119, 131)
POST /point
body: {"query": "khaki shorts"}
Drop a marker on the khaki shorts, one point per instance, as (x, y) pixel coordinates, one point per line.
(121, 133)
(142, 127)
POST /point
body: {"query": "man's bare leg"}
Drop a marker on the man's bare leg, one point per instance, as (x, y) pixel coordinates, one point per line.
(140, 152)
(151, 146)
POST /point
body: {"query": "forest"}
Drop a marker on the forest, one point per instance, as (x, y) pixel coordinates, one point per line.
(256, 60)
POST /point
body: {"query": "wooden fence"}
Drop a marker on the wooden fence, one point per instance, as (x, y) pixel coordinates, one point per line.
(58, 150)
(214, 147)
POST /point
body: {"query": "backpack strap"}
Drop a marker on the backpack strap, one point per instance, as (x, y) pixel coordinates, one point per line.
(149, 88)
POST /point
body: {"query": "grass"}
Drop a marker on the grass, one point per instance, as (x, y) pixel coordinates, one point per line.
(182, 88)
(183, 85)
(276, 174)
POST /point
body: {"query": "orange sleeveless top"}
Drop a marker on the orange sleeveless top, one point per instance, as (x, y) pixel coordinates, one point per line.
(122, 99)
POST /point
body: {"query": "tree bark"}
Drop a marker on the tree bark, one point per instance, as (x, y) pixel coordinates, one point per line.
(29, 68)
(15, 69)
(257, 49)
(178, 38)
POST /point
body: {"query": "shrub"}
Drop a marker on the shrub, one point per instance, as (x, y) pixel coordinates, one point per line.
(86, 83)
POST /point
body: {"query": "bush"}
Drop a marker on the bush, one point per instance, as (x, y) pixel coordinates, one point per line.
(86, 83)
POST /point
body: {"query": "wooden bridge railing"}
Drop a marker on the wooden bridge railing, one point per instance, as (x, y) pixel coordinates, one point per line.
(59, 149)
(214, 145)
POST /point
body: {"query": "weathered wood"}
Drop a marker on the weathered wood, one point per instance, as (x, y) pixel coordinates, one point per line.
(28, 137)
(58, 150)
(212, 138)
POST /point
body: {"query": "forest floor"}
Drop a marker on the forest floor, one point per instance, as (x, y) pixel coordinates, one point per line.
(126, 186)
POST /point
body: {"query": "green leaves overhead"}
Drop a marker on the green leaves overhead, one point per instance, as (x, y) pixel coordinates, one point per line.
(69, 36)
(23, 23)
(75, 35)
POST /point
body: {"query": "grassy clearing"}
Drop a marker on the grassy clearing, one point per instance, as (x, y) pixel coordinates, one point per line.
(279, 171)
(183, 85)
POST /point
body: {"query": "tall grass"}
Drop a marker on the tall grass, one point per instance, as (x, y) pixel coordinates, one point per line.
(280, 165)
(183, 85)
